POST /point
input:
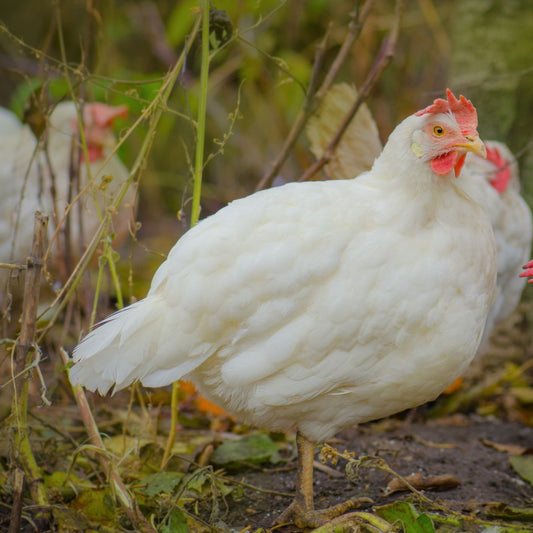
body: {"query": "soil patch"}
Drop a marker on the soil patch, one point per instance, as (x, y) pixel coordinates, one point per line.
(458, 445)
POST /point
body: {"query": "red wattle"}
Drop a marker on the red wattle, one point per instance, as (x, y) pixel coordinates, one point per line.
(503, 176)
(95, 151)
(443, 164)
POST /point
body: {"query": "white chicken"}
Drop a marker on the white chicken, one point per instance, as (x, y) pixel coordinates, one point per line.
(320, 305)
(497, 178)
(499, 183)
(9, 122)
(33, 180)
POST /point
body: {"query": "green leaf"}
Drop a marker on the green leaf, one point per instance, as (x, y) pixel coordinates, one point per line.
(161, 482)
(96, 505)
(523, 394)
(503, 511)
(523, 466)
(406, 514)
(176, 523)
(256, 448)
(63, 483)
(203, 483)
(180, 21)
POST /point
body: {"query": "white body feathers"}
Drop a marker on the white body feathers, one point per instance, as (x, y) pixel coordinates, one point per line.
(316, 304)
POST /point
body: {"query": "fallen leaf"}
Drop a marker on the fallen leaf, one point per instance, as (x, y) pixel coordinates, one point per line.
(96, 505)
(403, 513)
(523, 394)
(155, 484)
(256, 448)
(523, 466)
(505, 511)
(421, 482)
(176, 522)
(438, 445)
(511, 449)
(356, 521)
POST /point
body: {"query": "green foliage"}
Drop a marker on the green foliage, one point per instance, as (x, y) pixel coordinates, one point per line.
(160, 482)
(523, 465)
(256, 448)
(175, 523)
(405, 515)
(96, 505)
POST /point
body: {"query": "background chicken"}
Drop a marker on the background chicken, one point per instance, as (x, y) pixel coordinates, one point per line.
(39, 176)
(497, 178)
(511, 220)
(9, 122)
(320, 305)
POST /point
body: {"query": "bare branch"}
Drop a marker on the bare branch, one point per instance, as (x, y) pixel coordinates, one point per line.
(25, 467)
(386, 53)
(312, 101)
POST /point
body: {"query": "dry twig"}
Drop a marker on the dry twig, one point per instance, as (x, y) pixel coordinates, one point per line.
(312, 100)
(383, 59)
(24, 467)
(119, 489)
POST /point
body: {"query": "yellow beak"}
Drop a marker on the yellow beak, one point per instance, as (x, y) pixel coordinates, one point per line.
(474, 144)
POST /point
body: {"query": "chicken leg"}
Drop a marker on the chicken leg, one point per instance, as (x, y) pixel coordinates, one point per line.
(301, 511)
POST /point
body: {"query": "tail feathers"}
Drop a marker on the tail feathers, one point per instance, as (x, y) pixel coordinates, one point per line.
(119, 351)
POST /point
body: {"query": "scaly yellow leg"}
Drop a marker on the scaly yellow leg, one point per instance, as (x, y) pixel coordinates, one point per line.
(301, 511)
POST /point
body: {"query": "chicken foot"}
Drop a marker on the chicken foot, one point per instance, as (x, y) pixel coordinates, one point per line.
(301, 511)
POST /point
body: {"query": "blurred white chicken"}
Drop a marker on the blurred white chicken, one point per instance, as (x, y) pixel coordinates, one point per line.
(33, 178)
(320, 305)
(497, 178)
(499, 182)
(9, 122)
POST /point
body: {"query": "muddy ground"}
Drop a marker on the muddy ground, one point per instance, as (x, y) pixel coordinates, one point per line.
(462, 446)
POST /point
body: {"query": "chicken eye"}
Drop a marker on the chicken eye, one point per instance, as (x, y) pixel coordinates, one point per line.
(438, 131)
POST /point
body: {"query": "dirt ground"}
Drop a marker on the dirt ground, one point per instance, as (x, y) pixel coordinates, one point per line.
(462, 446)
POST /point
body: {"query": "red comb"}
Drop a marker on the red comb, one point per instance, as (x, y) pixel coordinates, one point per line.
(464, 111)
(104, 115)
(503, 174)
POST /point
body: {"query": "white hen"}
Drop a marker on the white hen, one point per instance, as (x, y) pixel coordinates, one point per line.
(498, 180)
(319, 305)
(9, 122)
(30, 181)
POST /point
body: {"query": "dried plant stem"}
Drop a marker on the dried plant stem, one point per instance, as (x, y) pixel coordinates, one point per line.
(197, 192)
(24, 463)
(312, 100)
(117, 485)
(388, 48)
(11, 266)
(154, 111)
